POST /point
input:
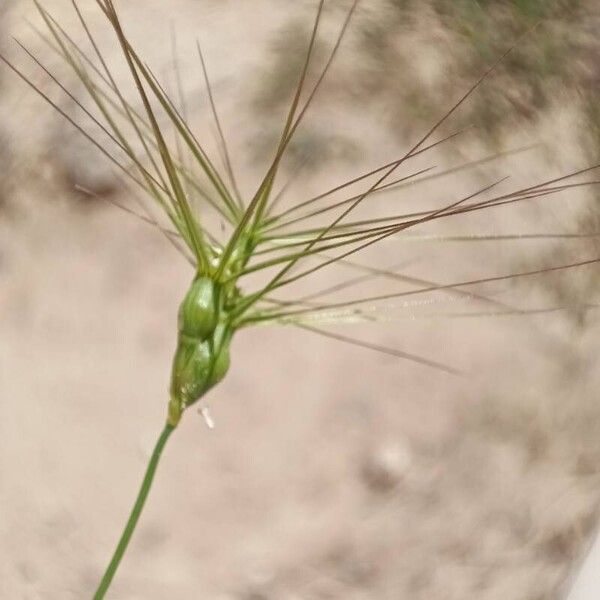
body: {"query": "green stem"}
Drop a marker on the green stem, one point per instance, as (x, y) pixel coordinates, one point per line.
(135, 513)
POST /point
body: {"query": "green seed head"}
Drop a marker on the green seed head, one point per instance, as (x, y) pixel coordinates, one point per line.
(202, 356)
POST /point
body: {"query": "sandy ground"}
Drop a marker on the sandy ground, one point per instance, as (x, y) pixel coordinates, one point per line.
(333, 472)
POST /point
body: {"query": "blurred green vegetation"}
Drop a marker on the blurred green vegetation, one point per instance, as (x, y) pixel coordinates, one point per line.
(556, 55)
(414, 55)
(554, 51)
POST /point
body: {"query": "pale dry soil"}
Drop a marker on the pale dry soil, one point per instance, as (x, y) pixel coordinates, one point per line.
(333, 472)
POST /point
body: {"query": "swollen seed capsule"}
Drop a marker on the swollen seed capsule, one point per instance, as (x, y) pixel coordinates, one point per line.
(202, 356)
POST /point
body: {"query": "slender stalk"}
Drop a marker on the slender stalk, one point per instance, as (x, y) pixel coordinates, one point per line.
(135, 514)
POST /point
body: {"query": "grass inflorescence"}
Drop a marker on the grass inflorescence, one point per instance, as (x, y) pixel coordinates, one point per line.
(227, 237)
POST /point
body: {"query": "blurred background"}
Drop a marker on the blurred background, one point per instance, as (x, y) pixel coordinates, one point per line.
(333, 471)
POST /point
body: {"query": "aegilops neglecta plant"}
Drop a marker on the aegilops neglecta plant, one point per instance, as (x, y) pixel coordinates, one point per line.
(191, 191)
